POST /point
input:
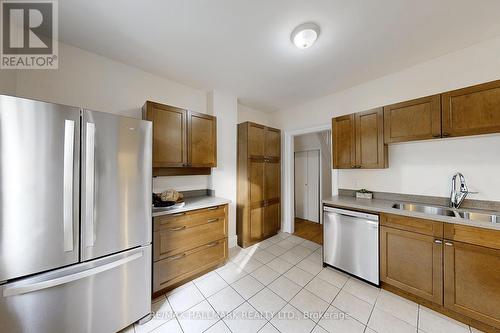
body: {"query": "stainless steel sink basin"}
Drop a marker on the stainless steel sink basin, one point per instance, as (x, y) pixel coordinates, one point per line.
(443, 211)
(480, 217)
(433, 210)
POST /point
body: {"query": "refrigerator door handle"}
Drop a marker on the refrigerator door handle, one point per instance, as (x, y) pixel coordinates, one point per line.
(69, 148)
(89, 184)
(24, 289)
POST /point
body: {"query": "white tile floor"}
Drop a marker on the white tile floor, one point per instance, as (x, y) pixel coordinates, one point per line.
(280, 285)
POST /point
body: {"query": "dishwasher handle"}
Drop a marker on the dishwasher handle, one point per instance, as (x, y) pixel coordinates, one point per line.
(351, 213)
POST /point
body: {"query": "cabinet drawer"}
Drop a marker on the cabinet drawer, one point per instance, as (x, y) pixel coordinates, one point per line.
(472, 235)
(176, 238)
(181, 266)
(189, 219)
(425, 227)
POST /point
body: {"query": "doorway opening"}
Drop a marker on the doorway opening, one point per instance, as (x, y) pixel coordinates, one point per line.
(312, 182)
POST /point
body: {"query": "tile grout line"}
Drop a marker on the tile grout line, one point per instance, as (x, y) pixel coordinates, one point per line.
(282, 274)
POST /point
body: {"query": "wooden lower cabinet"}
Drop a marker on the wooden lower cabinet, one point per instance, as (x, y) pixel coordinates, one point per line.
(185, 265)
(188, 244)
(472, 281)
(412, 262)
(452, 268)
(272, 219)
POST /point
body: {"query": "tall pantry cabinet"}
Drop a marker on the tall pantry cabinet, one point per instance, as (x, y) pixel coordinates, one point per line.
(259, 183)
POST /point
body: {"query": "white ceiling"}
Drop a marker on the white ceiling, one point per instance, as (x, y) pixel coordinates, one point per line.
(243, 46)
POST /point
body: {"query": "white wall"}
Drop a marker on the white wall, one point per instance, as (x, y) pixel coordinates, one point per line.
(224, 107)
(246, 113)
(475, 157)
(88, 80)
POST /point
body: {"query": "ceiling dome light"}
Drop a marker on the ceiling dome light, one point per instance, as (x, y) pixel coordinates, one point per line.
(305, 35)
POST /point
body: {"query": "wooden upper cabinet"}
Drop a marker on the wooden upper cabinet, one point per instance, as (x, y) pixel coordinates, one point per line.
(169, 134)
(472, 282)
(202, 129)
(343, 147)
(473, 110)
(181, 139)
(263, 141)
(256, 140)
(371, 152)
(412, 262)
(418, 119)
(273, 143)
(358, 141)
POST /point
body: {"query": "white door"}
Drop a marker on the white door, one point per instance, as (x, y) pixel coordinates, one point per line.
(313, 185)
(301, 184)
(307, 185)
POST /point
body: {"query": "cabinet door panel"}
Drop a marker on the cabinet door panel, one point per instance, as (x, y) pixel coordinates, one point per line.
(412, 262)
(256, 140)
(271, 219)
(202, 140)
(370, 148)
(256, 171)
(473, 110)
(418, 119)
(256, 223)
(343, 147)
(169, 135)
(273, 143)
(472, 281)
(272, 186)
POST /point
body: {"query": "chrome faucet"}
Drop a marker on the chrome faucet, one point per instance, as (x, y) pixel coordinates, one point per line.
(458, 196)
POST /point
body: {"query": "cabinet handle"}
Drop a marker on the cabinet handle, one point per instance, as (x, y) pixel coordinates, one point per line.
(448, 243)
(438, 241)
(178, 228)
(178, 214)
(436, 136)
(446, 134)
(353, 167)
(212, 208)
(212, 220)
(176, 257)
(212, 244)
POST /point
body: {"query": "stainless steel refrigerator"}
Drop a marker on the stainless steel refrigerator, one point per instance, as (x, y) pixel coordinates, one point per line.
(75, 218)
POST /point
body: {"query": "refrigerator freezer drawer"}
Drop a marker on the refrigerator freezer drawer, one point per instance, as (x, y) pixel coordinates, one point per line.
(104, 295)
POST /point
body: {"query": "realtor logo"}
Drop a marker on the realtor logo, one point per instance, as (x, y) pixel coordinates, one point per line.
(29, 34)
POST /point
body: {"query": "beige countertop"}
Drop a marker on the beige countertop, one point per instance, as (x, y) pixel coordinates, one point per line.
(192, 204)
(385, 206)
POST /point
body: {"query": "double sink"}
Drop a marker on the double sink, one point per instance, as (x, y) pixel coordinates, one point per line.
(444, 211)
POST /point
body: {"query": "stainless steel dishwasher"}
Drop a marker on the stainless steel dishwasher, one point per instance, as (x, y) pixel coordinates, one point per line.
(351, 243)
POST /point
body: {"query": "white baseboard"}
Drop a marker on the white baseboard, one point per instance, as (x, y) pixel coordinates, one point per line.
(232, 241)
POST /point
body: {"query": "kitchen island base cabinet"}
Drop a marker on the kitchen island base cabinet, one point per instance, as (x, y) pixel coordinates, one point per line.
(412, 262)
